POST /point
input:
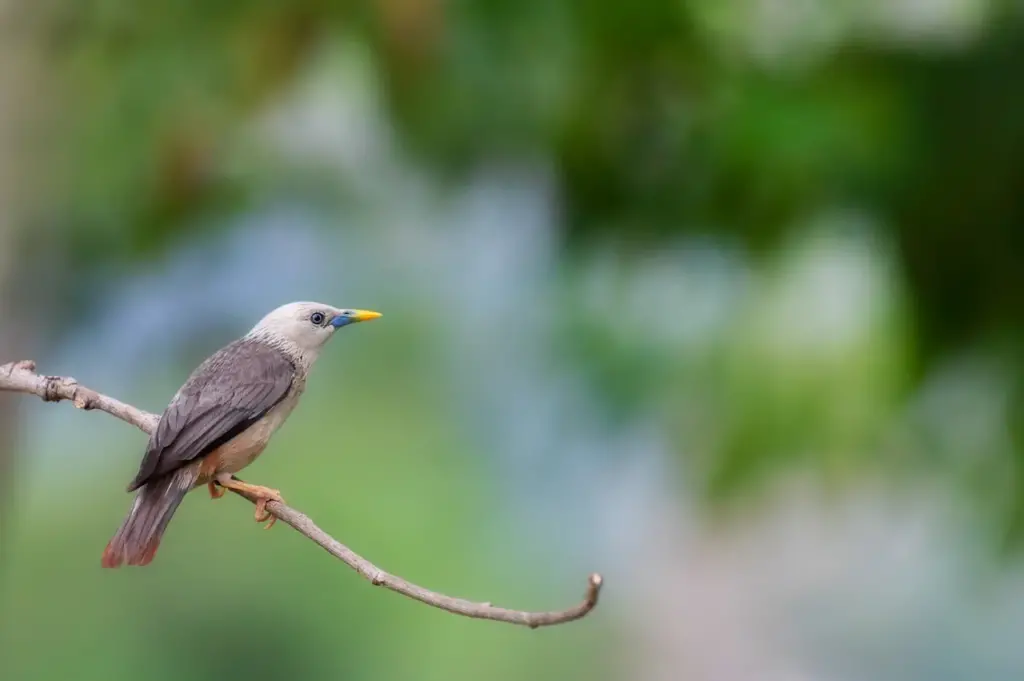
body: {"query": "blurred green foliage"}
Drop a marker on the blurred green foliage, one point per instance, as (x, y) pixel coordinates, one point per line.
(658, 117)
(662, 121)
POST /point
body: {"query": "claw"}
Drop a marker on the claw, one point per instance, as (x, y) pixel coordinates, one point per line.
(262, 515)
(216, 491)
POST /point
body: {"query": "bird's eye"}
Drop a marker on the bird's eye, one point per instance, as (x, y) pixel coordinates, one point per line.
(317, 318)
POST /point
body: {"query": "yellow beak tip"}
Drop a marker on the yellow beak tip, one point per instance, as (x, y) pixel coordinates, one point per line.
(366, 315)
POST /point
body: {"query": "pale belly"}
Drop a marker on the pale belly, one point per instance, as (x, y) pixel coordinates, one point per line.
(242, 450)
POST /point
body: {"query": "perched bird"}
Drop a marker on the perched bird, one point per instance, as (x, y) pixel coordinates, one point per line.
(221, 420)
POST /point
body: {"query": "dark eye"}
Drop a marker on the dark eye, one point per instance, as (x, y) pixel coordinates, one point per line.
(317, 318)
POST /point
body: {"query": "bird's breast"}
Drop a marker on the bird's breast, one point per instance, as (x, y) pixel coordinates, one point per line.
(243, 449)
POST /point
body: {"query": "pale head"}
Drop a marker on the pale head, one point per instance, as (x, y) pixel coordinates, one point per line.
(305, 327)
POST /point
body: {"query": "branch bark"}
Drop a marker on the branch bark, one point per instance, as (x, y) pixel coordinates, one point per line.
(22, 377)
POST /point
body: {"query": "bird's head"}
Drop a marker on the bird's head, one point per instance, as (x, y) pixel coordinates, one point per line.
(307, 326)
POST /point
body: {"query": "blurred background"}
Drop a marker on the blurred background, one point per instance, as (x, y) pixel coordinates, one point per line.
(721, 299)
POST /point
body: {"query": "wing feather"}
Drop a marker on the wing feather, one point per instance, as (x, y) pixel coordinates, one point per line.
(229, 392)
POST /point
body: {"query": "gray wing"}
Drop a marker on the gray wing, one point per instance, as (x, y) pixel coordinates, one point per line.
(229, 392)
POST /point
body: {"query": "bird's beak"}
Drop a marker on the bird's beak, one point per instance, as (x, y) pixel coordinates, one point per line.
(353, 316)
(364, 315)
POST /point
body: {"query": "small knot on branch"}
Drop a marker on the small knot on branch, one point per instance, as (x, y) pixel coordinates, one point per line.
(84, 399)
(52, 389)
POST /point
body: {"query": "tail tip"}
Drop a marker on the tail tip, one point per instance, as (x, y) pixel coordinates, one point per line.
(147, 555)
(114, 558)
(111, 558)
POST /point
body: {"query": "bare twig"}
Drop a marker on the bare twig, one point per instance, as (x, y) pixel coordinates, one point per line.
(22, 377)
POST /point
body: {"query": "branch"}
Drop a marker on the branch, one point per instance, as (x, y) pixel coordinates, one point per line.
(22, 377)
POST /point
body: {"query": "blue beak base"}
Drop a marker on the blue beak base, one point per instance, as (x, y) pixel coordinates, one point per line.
(351, 316)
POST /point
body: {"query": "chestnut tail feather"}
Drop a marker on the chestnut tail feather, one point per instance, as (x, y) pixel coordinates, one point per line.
(136, 541)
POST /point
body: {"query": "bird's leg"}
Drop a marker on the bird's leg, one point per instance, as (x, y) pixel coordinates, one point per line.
(261, 494)
(216, 491)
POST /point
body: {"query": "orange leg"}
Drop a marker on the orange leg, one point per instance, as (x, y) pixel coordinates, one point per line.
(261, 494)
(216, 491)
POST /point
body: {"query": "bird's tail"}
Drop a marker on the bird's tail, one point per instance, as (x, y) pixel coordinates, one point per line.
(136, 541)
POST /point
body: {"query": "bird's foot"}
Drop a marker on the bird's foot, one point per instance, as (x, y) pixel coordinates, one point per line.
(262, 515)
(216, 491)
(259, 494)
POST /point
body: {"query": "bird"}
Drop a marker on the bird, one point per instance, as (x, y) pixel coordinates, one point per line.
(221, 419)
